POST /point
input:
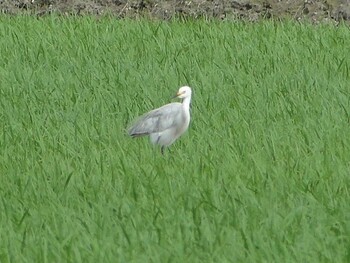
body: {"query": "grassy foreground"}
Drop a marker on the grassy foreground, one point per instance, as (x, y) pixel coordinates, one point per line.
(262, 175)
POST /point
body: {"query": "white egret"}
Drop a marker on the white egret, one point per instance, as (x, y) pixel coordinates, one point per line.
(167, 123)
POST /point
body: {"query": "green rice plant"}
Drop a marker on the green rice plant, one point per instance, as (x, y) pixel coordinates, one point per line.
(262, 175)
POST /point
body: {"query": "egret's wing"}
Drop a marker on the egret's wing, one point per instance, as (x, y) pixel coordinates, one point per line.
(157, 120)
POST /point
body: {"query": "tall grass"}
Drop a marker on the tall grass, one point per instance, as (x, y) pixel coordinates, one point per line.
(262, 175)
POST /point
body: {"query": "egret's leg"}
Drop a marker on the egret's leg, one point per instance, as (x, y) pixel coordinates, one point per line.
(162, 150)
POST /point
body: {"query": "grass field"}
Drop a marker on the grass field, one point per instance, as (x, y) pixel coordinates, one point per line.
(262, 175)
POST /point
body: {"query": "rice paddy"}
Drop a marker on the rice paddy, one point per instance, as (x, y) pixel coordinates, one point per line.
(262, 175)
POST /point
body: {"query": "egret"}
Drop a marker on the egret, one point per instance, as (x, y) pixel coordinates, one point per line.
(167, 123)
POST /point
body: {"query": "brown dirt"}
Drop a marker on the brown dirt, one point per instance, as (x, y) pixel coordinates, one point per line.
(315, 11)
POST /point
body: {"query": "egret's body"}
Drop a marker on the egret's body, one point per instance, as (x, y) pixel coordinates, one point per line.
(167, 123)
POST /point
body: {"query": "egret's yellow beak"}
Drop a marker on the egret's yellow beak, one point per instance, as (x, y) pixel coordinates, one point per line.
(177, 94)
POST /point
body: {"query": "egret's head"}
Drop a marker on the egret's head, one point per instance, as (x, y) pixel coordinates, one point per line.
(184, 92)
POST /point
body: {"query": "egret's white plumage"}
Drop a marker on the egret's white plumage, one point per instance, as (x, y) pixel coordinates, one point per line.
(167, 123)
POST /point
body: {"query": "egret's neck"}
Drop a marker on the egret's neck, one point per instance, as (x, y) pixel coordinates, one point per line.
(186, 103)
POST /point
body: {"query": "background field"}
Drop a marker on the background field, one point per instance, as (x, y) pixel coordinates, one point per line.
(315, 11)
(262, 175)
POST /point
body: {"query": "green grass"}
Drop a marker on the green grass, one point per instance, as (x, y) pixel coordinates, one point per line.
(262, 175)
